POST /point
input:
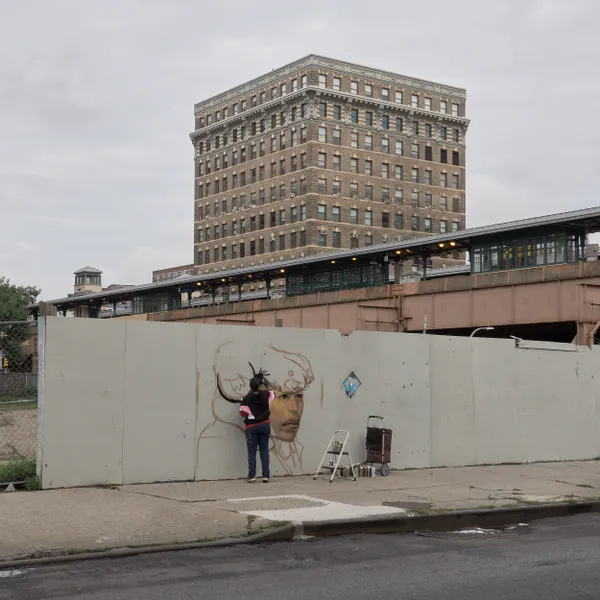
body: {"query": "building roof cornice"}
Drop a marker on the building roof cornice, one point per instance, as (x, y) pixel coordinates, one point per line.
(343, 67)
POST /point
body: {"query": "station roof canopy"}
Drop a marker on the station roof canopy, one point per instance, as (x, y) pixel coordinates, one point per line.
(586, 220)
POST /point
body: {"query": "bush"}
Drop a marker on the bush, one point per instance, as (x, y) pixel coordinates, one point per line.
(21, 470)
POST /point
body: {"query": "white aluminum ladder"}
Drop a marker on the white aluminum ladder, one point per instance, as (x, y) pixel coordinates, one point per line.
(337, 449)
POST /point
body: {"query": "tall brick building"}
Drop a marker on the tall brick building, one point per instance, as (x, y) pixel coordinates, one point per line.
(322, 154)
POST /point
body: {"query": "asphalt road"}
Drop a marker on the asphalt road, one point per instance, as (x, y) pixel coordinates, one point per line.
(556, 559)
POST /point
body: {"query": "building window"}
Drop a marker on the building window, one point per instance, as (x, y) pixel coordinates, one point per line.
(399, 148)
(323, 109)
(455, 204)
(282, 141)
(368, 90)
(323, 81)
(415, 127)
(272, 245)
(368, 192)
(443, 226)
(322, 160)
(368, 167)
(444, 156)
(337, 137)
(443, 133)
(322, 186)
(354, 139)
(428, 200)
(443, 179)
(304, 81)
(337, 112)
(337, 84)
(354, 216)
(283, 88)
(398, 172)
(337, 188)
(414, 151)
(428, 130)
(336, 239)
(428, 153)
(415, 198)
(216, 255)
(385, 122)
(336, 214)
(385, 170)
(455, 135)
(294, 113)
(294, 85)
(303, 238)
(354, 115)
(443, 203)
(323, 134)
(414, 223)
(456, 181)
(322, 239)
(281, 191)
(354, 165)
(207, 256)
(454, 109)
(368, 217)
(455, 226)
(385, 93)
(303, 134)
(303, 216)
(282, 242)
(398, 97)
(414, 100)
(304, 110)
(369, 119)
(282, 216)
(368, 239)
(354, 87)
(385, 219)
(399, 124)
(354, 191)
(443, 107)
(456, 158)
(293, 240)
(273, 122)
(273, 144)
(322, 212)
(427, 180)
(399, 221)
(293, 214)
(337, 162)
(385, 145)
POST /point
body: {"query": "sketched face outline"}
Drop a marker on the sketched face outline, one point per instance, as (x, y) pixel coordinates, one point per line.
(288, 404)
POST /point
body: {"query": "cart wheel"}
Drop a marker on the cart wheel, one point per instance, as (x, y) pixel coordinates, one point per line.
(385, 469)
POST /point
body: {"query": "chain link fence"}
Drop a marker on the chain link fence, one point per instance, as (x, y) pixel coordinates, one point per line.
(18, 390)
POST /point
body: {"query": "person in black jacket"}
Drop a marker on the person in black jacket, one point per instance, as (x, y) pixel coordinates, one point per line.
(256, 410)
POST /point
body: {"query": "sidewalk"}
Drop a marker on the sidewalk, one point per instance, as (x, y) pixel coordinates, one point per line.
(76, 520)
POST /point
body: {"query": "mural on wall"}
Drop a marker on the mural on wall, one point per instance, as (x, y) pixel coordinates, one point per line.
(288, 374)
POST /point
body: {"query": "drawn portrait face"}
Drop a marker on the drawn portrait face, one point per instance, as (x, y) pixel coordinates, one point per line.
(286, 414)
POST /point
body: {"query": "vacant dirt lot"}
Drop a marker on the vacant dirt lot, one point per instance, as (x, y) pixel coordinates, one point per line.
(18, 432)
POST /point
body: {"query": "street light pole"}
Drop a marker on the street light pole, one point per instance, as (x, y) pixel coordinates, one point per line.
(481, 329)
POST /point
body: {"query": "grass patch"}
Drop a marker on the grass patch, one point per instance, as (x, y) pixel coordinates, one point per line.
(264, 527)
(29, 393)
(18, 470)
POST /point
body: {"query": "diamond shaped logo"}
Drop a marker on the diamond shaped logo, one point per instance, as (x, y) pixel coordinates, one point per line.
(351, 384)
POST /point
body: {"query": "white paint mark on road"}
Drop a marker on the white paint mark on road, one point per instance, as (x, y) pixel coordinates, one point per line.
(13, 573)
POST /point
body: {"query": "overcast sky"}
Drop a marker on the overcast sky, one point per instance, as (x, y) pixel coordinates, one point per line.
(96, 105)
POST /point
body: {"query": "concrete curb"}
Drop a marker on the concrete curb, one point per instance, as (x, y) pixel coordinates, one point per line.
(279, 534)
(447, 521)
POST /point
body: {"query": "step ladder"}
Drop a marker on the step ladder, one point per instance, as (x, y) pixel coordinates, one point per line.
(336, 448)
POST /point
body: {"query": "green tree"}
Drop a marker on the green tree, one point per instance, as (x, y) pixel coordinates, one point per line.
(13, 300)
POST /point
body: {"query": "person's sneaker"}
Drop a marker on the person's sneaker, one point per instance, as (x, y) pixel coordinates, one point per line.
(250, 479)
(265, 480)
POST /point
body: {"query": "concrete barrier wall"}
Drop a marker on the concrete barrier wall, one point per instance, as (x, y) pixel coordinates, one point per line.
(131, 402)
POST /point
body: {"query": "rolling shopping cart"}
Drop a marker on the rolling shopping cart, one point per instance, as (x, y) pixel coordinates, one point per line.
(379, 445)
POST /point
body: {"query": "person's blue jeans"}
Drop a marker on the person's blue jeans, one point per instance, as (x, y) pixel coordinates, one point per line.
(258, 436)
